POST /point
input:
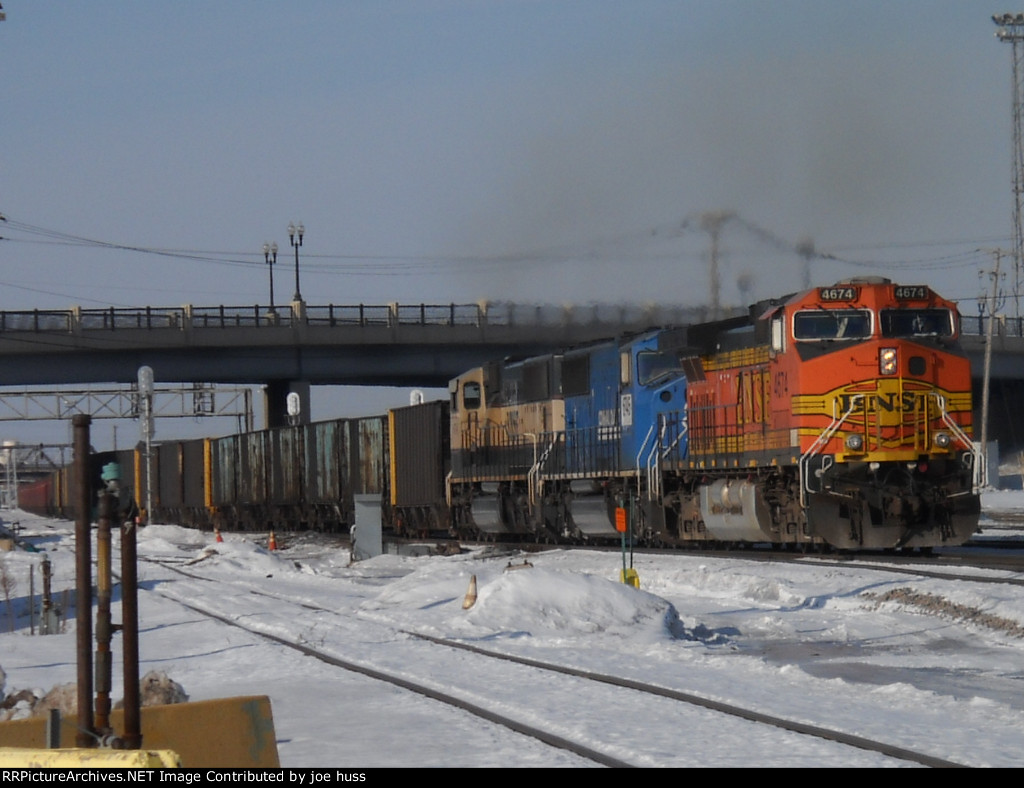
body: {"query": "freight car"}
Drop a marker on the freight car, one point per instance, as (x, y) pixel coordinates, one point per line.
(291, 477)
(54, 495)
(839, 416)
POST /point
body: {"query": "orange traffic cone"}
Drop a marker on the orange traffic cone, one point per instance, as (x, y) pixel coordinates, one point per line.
(470, 599)
(217, 532)
(272, 542)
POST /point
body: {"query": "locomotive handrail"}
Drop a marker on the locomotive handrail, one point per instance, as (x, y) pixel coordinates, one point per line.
(531, 476)
(639, 454)
(654, 461)
(980, 476)
(820, 442)
(684, 428)
(533, 479)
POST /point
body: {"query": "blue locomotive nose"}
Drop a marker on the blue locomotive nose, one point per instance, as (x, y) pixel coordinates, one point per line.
(653, 404)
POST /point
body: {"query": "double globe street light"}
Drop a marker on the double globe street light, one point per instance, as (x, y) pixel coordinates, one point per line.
(270, 255)
(295, 234)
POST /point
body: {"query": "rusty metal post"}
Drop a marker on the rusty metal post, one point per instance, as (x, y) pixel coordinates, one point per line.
(104, 630)
(130, 637)
(47, 606)
(83, 579)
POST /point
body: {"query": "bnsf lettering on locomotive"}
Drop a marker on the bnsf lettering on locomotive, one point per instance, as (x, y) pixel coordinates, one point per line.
(838, 293)
(892, 402)
(910, 292)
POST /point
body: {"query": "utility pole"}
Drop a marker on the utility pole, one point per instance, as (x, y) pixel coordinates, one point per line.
(1011, 30)
(711, 223)
(995, 275)
(85, 737)
(146, 423)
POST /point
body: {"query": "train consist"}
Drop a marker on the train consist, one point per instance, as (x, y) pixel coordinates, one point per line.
(839, 416)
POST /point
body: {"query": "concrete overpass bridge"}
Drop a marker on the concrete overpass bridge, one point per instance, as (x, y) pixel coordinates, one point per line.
(289, 348)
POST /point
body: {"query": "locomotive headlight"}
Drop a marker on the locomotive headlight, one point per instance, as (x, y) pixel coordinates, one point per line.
(942, 440)
(887, 361)
(854, 442)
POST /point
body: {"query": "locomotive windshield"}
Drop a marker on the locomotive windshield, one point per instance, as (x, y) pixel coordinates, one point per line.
(652, 364)
(917, 323)
(832, 324)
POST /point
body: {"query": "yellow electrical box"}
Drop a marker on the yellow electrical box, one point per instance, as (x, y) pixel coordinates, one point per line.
(630, 577)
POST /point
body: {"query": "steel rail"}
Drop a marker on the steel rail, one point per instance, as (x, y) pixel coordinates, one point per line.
(696, 700)
(839, 737)
(540, 735)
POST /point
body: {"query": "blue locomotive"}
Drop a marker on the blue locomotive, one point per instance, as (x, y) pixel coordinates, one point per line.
(550, 446)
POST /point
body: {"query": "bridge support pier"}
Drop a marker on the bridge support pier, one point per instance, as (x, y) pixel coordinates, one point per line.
(275, 402)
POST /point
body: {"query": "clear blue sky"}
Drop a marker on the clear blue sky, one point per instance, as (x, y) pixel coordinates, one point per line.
(528, 150)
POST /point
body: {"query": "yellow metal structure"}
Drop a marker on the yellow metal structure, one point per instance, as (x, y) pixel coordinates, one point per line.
(222, 733)
(19, 758)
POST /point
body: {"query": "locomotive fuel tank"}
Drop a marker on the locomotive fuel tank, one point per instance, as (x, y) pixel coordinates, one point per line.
(734, 510)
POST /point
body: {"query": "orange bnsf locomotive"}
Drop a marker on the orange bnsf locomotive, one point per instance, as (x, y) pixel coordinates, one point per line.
(842, 415)
(839, 416)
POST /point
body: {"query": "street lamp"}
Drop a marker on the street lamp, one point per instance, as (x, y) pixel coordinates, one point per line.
(295, 238)
(270, 255)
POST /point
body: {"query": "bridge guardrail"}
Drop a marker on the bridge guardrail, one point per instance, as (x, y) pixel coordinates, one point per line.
(236, 316)
(36, 321)
(191, 317)
(184, 318)
(112, 318)
(1005, 326)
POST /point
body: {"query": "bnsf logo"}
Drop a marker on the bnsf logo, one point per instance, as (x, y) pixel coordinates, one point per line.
(892, 402)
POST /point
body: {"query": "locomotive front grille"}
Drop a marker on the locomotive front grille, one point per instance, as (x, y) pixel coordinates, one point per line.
(899, 417)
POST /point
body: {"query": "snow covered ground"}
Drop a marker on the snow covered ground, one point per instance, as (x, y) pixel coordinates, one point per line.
(929, 664)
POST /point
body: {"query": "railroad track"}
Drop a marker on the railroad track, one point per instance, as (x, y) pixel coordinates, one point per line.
(468, 691)
(986, 554)
(962, 558)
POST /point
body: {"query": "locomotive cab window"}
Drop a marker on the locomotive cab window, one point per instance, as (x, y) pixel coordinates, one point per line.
(471, 396)
(917, 323)
(652, 365)
(832, 324)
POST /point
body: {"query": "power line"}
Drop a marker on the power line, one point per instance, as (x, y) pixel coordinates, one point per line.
(627, 246)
